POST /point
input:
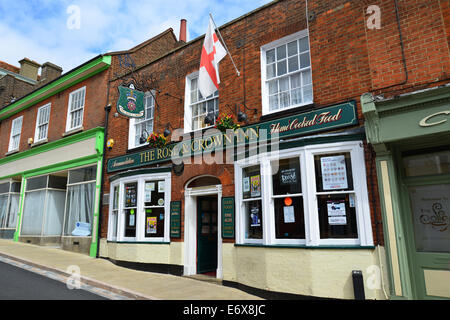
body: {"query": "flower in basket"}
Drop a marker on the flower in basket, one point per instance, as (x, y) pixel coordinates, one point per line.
(226, 121)
(156, 140)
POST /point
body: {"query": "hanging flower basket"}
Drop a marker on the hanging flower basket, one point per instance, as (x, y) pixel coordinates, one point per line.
(226, 121)
(156, 140)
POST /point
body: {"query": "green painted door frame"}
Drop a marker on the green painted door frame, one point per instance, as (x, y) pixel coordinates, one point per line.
(96, 158)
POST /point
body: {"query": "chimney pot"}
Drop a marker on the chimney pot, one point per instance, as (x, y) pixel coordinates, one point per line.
(182, 30)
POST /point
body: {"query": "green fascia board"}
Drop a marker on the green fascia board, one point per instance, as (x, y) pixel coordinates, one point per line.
(131, 173)
(98, 133)
(71, 78)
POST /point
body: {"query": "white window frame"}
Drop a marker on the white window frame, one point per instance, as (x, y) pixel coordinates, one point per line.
(133, 122)
(69, 112)
(264, 85)
(36, 131)
(187, 104)
(12, 135)
(140, 214)
(308, 180)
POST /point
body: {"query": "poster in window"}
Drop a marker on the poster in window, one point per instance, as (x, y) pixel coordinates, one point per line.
(288, 176)
(161, 186)
(151, 225)
(255, 221)
(334, 173)
(255, 186)
(130, 195)
(336, 213)
(132, 218)
(246, 184)
(289, 216)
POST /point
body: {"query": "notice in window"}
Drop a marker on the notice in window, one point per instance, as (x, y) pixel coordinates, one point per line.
(255, 221)
(289, 216)
(288, 176)
(255, 186)
(246, 183)
(132, 218)
(161, 186)
(336, 213)
(151, 225)
(334, 173)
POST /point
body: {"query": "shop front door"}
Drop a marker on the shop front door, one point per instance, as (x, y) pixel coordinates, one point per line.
(206, 234)
(427, 217)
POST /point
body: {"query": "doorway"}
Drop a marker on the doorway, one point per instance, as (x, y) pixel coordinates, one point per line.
(207, 235)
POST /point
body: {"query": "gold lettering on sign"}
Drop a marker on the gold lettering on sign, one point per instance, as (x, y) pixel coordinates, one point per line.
(424, 122)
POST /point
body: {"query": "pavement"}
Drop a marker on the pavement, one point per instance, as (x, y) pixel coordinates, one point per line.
(109, 280)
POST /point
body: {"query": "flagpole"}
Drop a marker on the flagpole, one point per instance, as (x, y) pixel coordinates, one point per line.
(225, 45)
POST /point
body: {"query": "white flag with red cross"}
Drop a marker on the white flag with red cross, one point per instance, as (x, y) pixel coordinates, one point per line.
(212, 52)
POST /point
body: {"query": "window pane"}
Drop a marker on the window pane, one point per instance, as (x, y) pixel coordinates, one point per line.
(4, 187)
(289, 218)
(113, 218)
(3, 209)
(82, 174)
(292, 48)
(337, 216)
(251, 182)
(285, 100)
(273, 102)
(284, 84)
(13, 211)
(253, 216)
(281, 52)
(57, 182)
(286, 176)
(296, 96)
(37, 183)
(130, 194)
(273, 86)
(32, 213)
(154, 222)
(270, 71)
(116, 198)
(130, 223)
(306, 77)
(270, 56)
(154, 193)
(333, 172)
(54, 215)
(80, 209)
(304, 60)
(307, 93)
(427, 164)
(303, 44)
(293, 64)
(281, 68)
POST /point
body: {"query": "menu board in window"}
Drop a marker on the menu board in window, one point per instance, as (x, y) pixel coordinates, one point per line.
(131, 195)
(334, 173)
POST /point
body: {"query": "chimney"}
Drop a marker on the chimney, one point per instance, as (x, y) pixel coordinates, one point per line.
(29, 68)
(182, 30)
(50, 72)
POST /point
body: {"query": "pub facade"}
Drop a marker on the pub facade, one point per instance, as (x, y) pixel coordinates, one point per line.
(286, 203)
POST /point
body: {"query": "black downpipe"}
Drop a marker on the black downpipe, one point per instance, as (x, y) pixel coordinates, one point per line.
(375, 213)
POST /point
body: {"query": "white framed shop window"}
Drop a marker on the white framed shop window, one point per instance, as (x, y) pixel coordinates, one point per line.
(309, 196)
(286, 78)
(139, 209)
(137, 126)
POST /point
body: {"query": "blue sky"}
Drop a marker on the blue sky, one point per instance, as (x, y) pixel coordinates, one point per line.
(47, 30)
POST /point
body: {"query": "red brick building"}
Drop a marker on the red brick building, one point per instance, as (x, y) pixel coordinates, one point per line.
(295, 215)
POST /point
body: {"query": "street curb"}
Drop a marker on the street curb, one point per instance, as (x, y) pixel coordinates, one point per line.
(83, 279)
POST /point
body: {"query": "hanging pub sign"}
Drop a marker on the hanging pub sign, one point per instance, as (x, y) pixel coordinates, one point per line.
(131, 102)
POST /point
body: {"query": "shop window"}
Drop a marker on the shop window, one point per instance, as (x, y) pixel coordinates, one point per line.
(288, 199)
(318, 197)
(76, 109)
(9, 204)
(286, 73)
(251, 191)
(139, 209)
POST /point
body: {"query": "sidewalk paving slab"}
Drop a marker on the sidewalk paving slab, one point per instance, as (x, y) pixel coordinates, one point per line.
(104, 274)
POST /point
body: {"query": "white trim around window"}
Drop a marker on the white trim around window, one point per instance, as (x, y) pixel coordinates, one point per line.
(117, 207)
(309, 196)
(16, 131)
(75, 109)
(42, 123)
(147, 122)
(286, 76)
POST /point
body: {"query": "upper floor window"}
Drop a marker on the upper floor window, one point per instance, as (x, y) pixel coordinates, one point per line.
(42, 121)
(286, 73)
(198, 107)
(141, 125)
(76, 109)
(16, 130)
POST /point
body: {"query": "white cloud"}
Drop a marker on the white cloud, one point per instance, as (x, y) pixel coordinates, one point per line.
(38, 29)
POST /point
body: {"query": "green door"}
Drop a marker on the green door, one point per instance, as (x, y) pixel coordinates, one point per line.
(426, 185)
(206, 234)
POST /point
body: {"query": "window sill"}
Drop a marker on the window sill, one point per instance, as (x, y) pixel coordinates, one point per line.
(73, 131)
(11, 152)
(138, 242)
(302, 246)
(38, 143)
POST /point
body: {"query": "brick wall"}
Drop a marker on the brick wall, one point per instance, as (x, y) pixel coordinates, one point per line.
(347, 60)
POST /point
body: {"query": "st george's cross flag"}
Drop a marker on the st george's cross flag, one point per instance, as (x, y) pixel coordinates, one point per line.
(212, 52)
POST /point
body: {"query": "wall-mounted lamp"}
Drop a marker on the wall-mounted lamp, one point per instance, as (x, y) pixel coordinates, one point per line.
(30, 141)
(143, 139)
(167, 131)
(110, 144)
